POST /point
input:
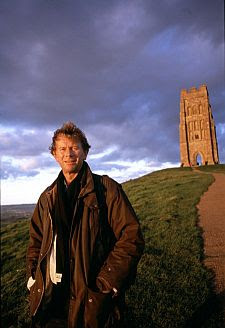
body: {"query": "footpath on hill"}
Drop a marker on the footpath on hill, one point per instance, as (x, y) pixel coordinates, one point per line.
(212, 221)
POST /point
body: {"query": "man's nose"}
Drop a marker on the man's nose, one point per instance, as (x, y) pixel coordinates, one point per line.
(69, 152)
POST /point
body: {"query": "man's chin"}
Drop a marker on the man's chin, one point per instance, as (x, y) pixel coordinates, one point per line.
(72, 169)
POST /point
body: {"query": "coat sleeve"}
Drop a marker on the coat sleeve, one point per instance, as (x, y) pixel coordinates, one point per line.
(120, 266)
(35, 241)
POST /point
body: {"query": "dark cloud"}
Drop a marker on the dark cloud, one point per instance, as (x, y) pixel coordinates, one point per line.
(114, 67)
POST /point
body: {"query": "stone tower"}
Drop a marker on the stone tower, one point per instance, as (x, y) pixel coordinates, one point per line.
(198, 144)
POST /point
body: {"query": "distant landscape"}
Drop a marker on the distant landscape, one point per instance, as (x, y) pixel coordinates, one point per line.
(11, 213)
(173, 288)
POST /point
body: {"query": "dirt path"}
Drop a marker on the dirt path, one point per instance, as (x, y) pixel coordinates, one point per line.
(212, 220)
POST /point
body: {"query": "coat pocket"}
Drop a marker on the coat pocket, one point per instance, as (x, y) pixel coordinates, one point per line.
(98, 307)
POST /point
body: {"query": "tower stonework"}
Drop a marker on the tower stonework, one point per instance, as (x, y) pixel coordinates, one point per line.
(197, 128)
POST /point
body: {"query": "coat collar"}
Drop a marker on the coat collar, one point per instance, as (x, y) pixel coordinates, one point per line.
(87, 191)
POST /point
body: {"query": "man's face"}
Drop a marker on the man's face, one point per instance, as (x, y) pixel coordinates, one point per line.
(69, 154)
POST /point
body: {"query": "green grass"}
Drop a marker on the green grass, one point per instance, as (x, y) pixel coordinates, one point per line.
(172, 283)
(173, 288)
(14, 294)
(219, 168)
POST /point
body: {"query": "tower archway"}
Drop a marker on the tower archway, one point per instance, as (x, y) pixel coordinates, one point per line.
(199, 160)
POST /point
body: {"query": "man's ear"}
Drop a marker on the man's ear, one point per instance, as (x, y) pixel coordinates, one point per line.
(54, 154)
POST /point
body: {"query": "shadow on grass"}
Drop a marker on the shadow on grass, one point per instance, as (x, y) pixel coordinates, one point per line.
(210, 314)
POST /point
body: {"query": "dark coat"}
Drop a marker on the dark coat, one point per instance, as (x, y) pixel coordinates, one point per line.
(110, 250)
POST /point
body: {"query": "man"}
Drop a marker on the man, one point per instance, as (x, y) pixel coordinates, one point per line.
(85, 243)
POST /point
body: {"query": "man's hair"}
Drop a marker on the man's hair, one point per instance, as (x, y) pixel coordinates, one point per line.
(69, 129)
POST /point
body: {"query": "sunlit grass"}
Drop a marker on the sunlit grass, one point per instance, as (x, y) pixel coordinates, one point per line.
(172, 283)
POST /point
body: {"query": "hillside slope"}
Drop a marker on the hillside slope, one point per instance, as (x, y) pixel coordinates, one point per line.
(172, 284)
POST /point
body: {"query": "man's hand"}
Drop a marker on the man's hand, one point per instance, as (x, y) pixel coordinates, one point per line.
(105, 287)
(30, 282)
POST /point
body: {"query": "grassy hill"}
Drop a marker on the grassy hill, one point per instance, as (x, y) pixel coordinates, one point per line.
(173, 288)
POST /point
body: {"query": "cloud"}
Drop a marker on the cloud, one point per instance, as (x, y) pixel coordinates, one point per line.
(58, 62)
(125, 170)
(10, 170)
(116, 68)
(121, 24)
(26, 166)
(19, 142)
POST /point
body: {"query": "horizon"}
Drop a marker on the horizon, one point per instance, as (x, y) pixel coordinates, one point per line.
(131, 179)
(38, 193)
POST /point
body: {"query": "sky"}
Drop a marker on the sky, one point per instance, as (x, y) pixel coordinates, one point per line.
(114, 68)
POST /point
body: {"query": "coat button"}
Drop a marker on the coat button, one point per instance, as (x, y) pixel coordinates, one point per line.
(109, 269)
(90, 300)
(39, 290)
